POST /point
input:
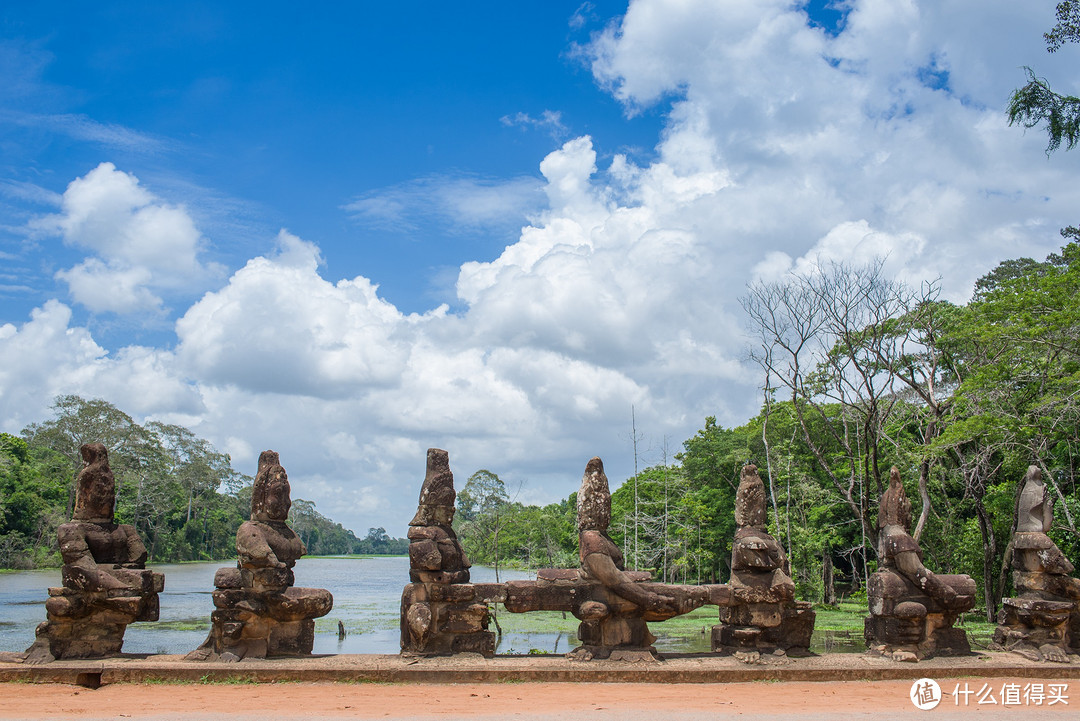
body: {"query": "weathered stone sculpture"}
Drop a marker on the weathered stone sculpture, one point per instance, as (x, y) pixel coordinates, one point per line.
(762, 613)
(615, 617)
(106, 584)
(441, 612)
(613, 604)
(912, 610)
(1042, 622)
(259, 612)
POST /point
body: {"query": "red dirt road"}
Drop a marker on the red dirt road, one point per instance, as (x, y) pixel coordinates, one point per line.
(850, 699)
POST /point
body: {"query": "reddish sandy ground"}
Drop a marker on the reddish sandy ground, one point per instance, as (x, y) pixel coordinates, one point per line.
(859, 699)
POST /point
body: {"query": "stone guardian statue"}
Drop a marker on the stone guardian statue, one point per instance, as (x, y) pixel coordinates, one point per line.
(258, 611)
(912, 609)
(1042, 622)
(106, 584)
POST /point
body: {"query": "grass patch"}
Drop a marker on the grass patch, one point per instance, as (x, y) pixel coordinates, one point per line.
(837, 628)
(156, 681)
(844, 616)
(536, 622)
(554, 622)
(361, 555)
(183, 624)
(209, 679)
(357, 681)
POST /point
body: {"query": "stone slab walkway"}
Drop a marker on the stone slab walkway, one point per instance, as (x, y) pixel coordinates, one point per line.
(471, 668)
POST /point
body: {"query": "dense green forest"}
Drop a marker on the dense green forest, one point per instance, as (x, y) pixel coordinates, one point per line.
(181, 494)
(860, 372)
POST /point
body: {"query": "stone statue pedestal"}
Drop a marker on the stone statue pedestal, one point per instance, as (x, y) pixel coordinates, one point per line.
(763, 614)
(904, 619)
(91, 623)
(1029, 625)
(440, 619)
(259, 613)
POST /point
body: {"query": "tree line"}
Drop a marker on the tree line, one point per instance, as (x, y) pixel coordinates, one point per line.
(860, 372)
(182, 495)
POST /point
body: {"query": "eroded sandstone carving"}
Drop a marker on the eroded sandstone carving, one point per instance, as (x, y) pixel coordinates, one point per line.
(613, 604)
(441, 612)
(762, 614)
(614, 619)
(1042, 622)
(258, 612)
(912, 609)
(106, 584)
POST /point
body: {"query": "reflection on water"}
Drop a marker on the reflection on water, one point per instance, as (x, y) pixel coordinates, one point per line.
(367, 598)
(837, 642)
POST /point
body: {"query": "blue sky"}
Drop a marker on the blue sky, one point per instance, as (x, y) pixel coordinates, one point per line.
(259, 116)
(354, 231)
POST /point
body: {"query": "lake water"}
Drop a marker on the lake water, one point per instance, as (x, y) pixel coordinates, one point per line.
(367, 599)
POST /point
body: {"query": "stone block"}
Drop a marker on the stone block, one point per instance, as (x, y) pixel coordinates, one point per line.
(137, 579)
(615, 631)
(150, 608)
(522, 596)
(294, 604)
(719, 594)
(266, 580)
(462, 618)
(425, 555)
(451, 593)
(482, 643)
(762, 615)
(417, 576)
(558, 574)
(228, 597)
(728, 636)
(422, 533)
(761, 587)
(59, 607)
(490, 592)
(228, 577)
(292, 638)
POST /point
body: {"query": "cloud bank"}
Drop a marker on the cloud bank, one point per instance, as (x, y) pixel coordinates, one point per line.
(783, 146)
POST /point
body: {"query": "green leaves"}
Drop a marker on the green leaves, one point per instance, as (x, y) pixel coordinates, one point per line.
(182, 495)
(1035, 103)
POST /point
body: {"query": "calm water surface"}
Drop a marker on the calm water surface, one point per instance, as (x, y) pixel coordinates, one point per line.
(367, 600)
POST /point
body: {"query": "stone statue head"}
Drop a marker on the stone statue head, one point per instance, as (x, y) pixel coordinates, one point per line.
(437, 495)
(95, 487)
(594, 498)
(750, 508)
(270, 499)
(895, 508)
(1036, 513)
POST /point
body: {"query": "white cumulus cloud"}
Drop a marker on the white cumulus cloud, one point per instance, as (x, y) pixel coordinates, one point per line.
(140, 245)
